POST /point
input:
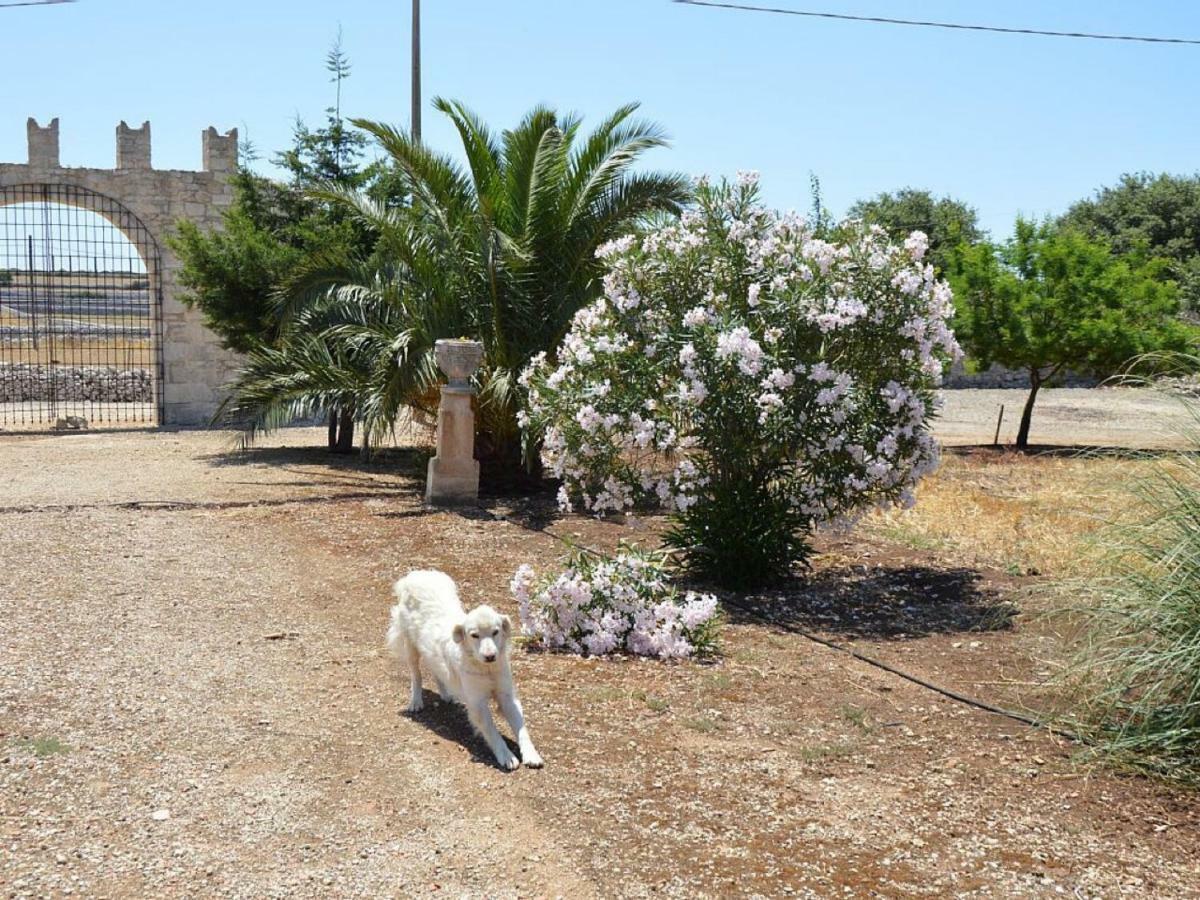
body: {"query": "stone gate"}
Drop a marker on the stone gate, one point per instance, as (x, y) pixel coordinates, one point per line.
(144, 203)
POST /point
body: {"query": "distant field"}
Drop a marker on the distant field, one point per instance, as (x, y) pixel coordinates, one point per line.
(123, 353)
(92, 280)
(69, 319)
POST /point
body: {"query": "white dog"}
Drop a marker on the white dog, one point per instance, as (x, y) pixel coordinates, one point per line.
(467, 653)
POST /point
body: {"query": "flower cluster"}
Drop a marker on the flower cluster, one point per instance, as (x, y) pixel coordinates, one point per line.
(737, 343)
(625, 603)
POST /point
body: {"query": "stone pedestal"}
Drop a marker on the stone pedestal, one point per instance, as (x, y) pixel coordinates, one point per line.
(454, 473)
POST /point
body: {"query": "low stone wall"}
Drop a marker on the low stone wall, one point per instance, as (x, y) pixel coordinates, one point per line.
(99, 384)
(1186, 385)
(1000, 377)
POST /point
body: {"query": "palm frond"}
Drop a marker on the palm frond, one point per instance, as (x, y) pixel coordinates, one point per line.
(503, 251)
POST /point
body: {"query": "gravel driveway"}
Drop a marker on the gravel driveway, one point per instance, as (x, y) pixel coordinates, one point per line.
(193, 703)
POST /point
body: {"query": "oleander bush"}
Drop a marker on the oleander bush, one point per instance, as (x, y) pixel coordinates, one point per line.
(753, 376)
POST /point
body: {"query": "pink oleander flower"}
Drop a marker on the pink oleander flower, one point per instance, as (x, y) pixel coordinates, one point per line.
(620, 604)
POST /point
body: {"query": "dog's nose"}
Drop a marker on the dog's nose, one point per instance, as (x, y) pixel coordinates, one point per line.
(489, 657)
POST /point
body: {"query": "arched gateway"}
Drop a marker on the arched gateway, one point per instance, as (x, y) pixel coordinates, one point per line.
(91, 328)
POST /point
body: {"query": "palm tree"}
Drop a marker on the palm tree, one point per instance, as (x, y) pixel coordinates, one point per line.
(354, 335)
(503, 250)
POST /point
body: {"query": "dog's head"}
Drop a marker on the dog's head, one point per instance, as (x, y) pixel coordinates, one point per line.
(483, 635)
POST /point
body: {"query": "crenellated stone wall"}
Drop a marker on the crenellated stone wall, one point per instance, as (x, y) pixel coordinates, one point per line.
(195, 366)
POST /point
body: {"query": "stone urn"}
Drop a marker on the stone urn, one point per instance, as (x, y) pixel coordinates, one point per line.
(453, 473)
(458, 359)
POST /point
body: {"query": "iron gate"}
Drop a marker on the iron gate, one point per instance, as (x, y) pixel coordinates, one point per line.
(80, 311)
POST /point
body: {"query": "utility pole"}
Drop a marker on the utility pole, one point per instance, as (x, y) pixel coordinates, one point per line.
(416, 70)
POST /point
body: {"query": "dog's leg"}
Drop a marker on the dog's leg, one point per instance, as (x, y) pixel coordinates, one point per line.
(409, 654)
(510, 705)
(480, 713)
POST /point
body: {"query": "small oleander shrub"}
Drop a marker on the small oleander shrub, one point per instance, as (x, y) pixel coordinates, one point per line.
(620, 604)
(754, 378)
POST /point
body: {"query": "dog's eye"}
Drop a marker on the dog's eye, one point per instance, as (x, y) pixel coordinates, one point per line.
(475, 634)
(495, 631)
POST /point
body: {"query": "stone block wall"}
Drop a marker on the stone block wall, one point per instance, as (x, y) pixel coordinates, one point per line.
(195, 365)
(997, 376)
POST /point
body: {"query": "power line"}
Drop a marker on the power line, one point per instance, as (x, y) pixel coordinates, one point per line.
(36, 3)
(954, 25)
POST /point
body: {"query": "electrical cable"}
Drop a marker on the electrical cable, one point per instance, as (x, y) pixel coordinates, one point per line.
(740, 7)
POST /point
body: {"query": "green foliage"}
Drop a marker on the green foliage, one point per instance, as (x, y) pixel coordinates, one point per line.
(6, 277)
(523, 224)
(503, 250)
(1147, 213)
(819, 217)
(357, 336)
(230, 274)
(946, 221)
(274, 230)
(1138, 667)
(1052, 299)
(740, 534)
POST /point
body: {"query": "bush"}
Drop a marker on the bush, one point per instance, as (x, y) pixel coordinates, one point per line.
(754, 379)
(1139, 667)
(601, 605)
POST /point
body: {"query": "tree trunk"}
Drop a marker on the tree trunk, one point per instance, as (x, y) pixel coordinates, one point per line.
(333, 424)
(345, 437)
(1035, 382)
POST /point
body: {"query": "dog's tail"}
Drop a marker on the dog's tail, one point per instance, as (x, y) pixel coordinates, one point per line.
(396, 638)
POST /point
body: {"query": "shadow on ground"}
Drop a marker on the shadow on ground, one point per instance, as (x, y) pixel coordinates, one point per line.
(405, 461)
(315, 467)
(880, 602)
(448, 720)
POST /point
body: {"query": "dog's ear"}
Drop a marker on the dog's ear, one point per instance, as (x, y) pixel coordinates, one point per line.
(506, 625)
(459, 634)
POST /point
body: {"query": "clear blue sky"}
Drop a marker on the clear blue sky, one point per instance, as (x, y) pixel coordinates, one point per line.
(1008, 123)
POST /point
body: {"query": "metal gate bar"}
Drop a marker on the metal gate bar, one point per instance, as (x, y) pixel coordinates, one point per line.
(80, 311)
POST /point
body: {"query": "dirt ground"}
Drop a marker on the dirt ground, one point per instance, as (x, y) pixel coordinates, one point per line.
(193, 703)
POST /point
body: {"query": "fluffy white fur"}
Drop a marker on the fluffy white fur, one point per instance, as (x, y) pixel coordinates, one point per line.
(467, 654)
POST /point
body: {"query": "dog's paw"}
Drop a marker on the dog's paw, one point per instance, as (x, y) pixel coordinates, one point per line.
(415, 706)
(508, 761)
(533, 760)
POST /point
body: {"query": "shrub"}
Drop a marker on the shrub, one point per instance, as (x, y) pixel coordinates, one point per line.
(1139, 666)
(754, 379)
(626, 603)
